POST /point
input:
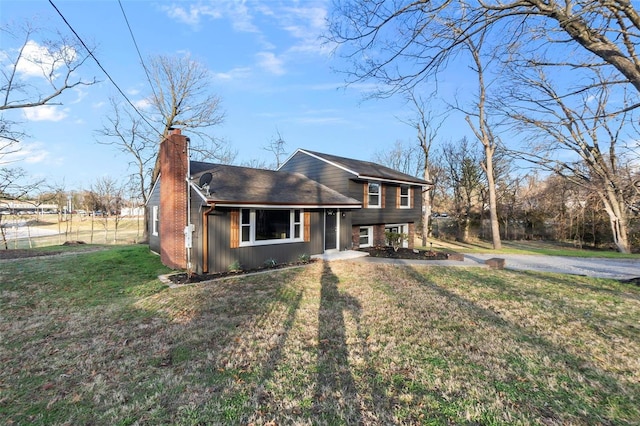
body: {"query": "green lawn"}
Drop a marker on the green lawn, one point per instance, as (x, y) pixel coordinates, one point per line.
(95, 338)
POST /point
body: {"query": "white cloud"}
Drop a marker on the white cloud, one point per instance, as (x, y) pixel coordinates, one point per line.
(30, 153)
(234, 74)
(306, 24)
(270, 63)
(45, 113)
(37, 60)
(241, 19)
(190, 16)
(81, 93)
(142, 103)
(237, 12)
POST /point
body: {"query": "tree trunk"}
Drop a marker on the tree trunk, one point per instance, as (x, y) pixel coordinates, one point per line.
(465, 229)
(617, 219)
(493, 202)
(3, 234)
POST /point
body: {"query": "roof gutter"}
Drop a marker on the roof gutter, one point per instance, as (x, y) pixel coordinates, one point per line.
(286, 206)
(402, 182)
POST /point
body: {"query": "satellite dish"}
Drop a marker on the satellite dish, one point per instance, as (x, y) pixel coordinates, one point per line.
(205, 179)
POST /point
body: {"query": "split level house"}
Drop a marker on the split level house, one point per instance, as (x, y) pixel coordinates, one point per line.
(207, 217)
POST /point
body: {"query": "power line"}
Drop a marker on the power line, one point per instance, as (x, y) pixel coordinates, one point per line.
(146, 71)
(101, 67)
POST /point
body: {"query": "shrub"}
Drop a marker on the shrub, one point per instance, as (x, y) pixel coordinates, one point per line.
(270, 263)
(304, 258)
(395, 239)
(235, 266)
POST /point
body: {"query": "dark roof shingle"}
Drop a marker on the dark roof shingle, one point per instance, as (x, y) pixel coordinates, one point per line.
(368, 169)
(245, 185)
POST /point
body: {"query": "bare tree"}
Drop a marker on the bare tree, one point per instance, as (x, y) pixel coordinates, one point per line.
(126, 132)
(478, 120)
(464, 176)
(182, 97)
(427, 124)
(403, 43)
(52, 68)
(401, 156)
(106, 200)
(577, 137)
(277, 148)
(55, 65)
(256, 164)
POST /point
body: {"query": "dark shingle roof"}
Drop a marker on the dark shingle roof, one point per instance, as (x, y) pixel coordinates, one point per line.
(245, 185)
(365, 169)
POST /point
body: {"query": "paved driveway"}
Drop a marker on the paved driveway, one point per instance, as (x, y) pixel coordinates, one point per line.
(592, 267)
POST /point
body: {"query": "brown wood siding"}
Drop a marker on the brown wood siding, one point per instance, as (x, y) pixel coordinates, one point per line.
(235, 229)
(365, 196)
(383, 200)
(307, 226)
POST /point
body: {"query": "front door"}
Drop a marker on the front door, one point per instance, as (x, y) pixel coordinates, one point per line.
(330, 229)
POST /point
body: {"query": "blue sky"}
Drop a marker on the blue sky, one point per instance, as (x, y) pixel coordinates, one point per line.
(267, 63)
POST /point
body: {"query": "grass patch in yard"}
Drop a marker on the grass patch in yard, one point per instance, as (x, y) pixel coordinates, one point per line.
(96, 339)
(546, 248)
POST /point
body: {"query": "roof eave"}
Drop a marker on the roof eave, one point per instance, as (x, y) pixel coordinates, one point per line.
(263, 204)
(404, 182)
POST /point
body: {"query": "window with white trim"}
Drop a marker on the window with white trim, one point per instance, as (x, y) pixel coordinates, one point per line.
(155, 220)
(405, 201)
(366, 236)
(401, 228)
(270, 226)
(374, 195)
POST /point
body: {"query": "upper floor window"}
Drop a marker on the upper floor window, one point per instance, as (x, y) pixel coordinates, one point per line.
(404, 199)
(373, 195)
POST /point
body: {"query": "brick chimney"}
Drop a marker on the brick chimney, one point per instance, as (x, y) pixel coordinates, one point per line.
(173, 199)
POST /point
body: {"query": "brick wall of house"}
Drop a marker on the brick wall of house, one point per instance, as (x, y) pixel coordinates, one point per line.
(355, 237)
(378, 236)
(173, 200)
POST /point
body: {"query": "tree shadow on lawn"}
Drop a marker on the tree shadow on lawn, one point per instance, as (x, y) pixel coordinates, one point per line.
(628, 291)
(339, 398)
(545, 402)
(235, 334)
(233, 325)
(336, 396)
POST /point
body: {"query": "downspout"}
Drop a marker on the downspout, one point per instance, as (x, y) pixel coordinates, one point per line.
(205, 238)
(188, 232)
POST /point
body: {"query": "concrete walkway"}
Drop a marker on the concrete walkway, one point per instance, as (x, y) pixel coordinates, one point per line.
(592, 267)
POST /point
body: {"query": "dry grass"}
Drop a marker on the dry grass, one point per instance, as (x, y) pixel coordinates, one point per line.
(98, 230)
(333, 343)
